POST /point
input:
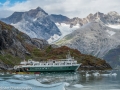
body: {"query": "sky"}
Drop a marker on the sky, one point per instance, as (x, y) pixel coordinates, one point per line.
(70, 8)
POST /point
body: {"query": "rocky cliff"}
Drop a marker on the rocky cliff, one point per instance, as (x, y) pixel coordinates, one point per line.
(93, 38)
(113, 56)
(15, 45)
(95, 34)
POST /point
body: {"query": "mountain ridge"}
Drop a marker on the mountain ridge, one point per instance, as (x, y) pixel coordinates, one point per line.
(55, 27)
(35, 22)
(92, 35)
(16, 46)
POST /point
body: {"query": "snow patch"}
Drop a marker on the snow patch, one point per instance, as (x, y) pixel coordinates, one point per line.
(65, 28)
(53, 38)
(111, 33)
(114, 26)
(34, 19)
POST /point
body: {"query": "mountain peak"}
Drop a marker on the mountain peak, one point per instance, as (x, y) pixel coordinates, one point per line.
(59, 18)
(39, 12)
(98, 14)
(38, 8)
(90, 15)
(113, 13)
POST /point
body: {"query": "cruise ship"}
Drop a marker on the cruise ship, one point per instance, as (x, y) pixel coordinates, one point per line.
(58, 65)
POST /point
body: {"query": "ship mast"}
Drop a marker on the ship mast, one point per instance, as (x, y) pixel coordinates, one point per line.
(68, 56)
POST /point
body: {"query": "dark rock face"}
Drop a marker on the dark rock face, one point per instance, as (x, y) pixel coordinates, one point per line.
(40, 43)
(14, 18)
(59, 18)
(36, 23)
(43, 28)
(5, 39)
(14, 42)
(113, 57)
(14, 38)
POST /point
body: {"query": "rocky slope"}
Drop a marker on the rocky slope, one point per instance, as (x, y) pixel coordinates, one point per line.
(113, 57)
(97, 34)
(36, 23)
(93, 38)
(89, 62)
(68, 25)
(15, 45)
(59, 18)
(64, 24)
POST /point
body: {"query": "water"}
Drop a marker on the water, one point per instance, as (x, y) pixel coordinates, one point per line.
(90, 80)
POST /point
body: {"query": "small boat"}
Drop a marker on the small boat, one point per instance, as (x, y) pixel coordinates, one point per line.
(58, 65)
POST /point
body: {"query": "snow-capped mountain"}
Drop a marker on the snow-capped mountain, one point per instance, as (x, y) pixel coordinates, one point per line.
(64, 24)
(106, 24)
(36, 23)
(65, 29)
(93, 38)
(67, 25)
(97, 34)
(111, 18)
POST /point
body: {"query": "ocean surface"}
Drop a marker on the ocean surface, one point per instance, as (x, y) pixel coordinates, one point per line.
(83, 80)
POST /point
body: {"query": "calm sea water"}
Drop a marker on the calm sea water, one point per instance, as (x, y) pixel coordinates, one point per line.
(90, 80)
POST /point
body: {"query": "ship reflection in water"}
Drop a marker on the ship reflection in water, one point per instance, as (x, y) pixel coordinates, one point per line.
(94, 80)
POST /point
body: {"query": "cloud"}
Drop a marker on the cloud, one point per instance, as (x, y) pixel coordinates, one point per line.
(70, 8)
